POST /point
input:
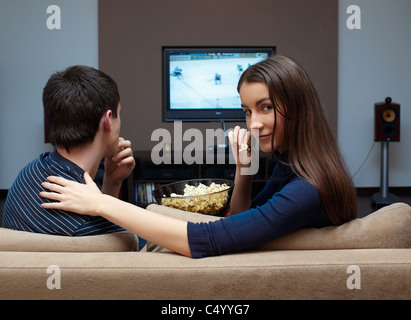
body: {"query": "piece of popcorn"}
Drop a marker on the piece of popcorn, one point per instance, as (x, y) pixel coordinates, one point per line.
(244, 147)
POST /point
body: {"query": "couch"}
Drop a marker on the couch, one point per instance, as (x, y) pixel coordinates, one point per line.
(367, 258)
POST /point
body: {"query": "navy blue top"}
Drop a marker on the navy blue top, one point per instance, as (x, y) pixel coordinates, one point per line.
(22, 210)
(286, 204)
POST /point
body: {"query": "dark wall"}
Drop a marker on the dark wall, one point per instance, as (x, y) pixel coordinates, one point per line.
(131, 34)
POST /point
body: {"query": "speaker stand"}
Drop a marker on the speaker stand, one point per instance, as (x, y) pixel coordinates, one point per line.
(384, 198)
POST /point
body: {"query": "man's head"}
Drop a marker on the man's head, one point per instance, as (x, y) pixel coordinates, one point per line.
(74, 102)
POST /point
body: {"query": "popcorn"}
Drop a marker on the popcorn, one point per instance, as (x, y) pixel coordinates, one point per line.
(201, 199)
(244, 147)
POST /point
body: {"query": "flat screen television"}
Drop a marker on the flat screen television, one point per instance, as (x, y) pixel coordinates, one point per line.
(200, 83)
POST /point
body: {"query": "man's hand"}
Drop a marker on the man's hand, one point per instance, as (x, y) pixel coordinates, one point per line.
(117, 168)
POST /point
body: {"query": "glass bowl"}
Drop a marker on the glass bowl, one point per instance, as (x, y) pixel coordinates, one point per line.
(214, 203)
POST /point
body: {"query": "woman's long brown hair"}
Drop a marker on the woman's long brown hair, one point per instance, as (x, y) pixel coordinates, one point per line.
(313, 153)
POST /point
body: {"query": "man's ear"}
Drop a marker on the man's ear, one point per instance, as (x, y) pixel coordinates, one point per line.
(106, 121)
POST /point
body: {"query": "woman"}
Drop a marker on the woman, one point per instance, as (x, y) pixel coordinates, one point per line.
(310, 185)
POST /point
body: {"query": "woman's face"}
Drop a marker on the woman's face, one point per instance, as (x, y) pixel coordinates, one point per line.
(256, 103)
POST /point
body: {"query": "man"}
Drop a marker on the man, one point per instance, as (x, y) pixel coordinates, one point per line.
(82, 109)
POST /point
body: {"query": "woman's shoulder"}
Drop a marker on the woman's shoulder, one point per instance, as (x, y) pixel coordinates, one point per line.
(299, 201)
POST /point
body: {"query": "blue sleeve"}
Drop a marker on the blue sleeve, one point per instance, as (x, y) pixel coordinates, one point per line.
(279, 178)
(297, 205)
(263, 196)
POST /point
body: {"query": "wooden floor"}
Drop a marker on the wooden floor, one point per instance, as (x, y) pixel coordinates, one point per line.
(365, 205)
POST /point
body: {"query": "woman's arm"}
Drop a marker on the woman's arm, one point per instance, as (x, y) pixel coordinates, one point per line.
(241, 198)
(87, 199)
(297, 205)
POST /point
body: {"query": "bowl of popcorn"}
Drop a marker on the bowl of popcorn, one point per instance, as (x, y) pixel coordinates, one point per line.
(206, 196)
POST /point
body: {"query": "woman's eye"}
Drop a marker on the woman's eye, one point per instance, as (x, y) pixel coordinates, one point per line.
(267, 108)
(247, 112)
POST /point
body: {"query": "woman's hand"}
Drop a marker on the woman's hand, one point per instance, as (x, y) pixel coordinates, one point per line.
(241, 198)
(72, 196)
(240, 140)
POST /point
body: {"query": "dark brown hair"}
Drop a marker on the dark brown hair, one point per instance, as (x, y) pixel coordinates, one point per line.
(74, 101)
(313, 153)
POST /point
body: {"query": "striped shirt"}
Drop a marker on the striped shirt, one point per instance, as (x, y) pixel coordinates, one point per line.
(23, 211)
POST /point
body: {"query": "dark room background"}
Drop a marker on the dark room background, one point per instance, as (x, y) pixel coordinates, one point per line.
(132, 33)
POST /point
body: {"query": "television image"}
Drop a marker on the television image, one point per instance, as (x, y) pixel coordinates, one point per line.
(200, 83)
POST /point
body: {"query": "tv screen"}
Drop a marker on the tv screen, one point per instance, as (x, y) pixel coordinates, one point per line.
(200, 83)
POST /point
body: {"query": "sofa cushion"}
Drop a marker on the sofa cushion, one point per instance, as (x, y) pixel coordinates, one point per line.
(14, 240)
(389, 227)
(261, 275)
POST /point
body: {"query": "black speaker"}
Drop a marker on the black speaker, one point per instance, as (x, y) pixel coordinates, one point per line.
(386, 121)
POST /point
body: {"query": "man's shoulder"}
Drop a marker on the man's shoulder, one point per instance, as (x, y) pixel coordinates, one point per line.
(30, 170)
(36, 172)
(23, 209)
(52, 164)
